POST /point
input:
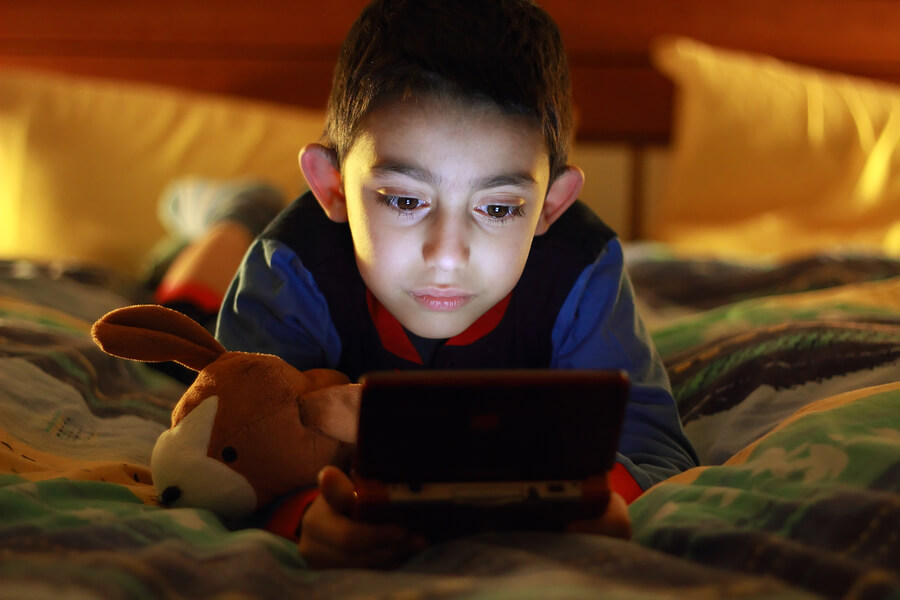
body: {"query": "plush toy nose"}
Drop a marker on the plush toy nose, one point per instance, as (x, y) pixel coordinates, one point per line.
(170, 495)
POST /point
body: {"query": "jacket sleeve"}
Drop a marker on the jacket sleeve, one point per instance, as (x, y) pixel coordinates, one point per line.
(274, 306)
(599, 328)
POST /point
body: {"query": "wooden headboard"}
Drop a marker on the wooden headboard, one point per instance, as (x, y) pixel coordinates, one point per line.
(284, 51)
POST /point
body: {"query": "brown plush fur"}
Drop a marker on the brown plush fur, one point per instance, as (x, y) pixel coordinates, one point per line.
(274, 425)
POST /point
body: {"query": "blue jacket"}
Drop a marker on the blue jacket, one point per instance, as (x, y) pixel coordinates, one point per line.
(299, 295)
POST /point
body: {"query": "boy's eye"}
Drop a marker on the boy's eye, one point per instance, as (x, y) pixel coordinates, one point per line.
(501, 211)
(403, 202)
(497, 211)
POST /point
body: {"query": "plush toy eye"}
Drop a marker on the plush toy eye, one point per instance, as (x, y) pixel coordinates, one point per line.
(229, 454)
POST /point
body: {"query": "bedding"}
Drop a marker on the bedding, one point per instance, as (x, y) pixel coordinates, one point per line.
(773, 297)
(787, 375)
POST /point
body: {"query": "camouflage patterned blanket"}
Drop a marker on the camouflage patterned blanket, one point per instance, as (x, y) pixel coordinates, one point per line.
(788, 380)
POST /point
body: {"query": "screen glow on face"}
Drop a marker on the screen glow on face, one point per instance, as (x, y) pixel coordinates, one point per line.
(443, 202)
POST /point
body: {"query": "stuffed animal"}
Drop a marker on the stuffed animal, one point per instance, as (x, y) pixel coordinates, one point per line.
(250, 429)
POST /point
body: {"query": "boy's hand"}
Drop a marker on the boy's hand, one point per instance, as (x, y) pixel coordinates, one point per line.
(330, 538)
(615, 522)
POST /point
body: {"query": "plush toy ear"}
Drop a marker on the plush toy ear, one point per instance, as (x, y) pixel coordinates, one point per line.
(332, 411)
(153, 333)
(322, 378)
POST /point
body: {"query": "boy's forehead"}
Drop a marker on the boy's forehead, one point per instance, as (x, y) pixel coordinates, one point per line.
(400, 137)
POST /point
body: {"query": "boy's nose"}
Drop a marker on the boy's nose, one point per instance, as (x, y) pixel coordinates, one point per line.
(446, 246)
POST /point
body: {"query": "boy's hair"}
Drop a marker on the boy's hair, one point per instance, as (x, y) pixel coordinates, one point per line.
(505, 52)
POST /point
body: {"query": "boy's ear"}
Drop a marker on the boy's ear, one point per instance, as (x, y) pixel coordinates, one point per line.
(562, 193)
(320, 169)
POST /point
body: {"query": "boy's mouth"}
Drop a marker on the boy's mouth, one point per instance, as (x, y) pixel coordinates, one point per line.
(441, 300)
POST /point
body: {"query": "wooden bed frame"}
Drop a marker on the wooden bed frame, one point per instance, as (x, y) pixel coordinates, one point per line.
(284, 51)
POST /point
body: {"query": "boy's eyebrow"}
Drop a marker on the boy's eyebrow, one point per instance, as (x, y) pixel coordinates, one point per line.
(413, 172)
(520, 179)
(508, 179)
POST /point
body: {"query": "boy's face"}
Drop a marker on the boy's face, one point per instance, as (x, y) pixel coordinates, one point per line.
(443, 201)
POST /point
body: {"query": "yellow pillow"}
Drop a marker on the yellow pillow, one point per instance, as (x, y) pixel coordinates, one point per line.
(83, 161)
(771, 158)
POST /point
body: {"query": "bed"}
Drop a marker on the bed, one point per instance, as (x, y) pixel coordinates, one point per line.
(747, 152)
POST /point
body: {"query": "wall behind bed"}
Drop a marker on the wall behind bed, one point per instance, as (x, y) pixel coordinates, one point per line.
(283, 51)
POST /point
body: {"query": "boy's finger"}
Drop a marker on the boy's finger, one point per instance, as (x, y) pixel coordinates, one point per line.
(344, 533)
(332, 539)
(337, 489)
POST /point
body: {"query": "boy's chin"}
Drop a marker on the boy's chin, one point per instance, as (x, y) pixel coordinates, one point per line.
(438, 328)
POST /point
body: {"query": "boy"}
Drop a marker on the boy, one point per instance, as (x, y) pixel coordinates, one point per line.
(442, 231)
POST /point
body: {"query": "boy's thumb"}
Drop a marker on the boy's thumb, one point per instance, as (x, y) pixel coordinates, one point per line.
(337, 489)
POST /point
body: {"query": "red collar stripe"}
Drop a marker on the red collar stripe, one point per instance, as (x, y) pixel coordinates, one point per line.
(391, 332)
(394, 339)
(483, 326)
